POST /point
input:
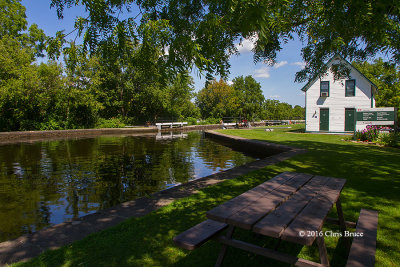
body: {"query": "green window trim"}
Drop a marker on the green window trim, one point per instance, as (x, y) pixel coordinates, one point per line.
(372, 97)
(324, 89)
(350, 88)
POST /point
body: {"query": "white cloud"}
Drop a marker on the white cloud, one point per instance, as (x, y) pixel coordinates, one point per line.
(245, 46)
(299, 63)
(280, 64)
(275, 96)
(229, 82)
(262, 72)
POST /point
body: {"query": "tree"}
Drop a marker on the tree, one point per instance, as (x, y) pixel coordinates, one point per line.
(203, 32)
(180, 93)
(275, 110)
(298, 113)
(29, 94)
(13, 23)
(250, 97)
(387, 77)
(217, 100)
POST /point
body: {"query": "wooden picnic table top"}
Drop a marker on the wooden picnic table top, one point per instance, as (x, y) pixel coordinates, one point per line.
(289, 207)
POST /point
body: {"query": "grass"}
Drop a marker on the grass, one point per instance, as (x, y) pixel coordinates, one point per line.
(373, 181)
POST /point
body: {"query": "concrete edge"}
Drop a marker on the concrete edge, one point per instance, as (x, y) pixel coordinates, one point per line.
(31, 245)
(34, 136)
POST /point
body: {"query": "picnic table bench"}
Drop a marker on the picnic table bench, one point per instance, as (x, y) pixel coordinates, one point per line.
(291, 207)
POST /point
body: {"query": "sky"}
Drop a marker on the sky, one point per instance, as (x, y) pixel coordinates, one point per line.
(277, 82)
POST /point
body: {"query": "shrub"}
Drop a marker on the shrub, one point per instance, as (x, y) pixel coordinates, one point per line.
(51, 124)
(191, 121)
(388, 139)
(211, 121)
(369, 134)
(110, 123)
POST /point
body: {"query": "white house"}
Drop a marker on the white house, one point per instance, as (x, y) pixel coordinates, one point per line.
(331, 104)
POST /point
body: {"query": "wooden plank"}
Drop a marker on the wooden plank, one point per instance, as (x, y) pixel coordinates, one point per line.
(333, 188)
(199, 234)
(224, 211)
(362, 251)
(256, 210)
(304, 227)
(224, 247)
(312, 217)
(274, 223)
(323, 255)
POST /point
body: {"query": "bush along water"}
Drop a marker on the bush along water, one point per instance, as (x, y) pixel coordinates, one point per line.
(373, 134)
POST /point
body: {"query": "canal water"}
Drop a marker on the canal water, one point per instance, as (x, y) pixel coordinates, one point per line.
(49, 182)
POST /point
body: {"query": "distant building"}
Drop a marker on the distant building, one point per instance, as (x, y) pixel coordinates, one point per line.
(331, 104)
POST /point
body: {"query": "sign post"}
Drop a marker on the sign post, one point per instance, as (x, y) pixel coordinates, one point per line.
(375, 116)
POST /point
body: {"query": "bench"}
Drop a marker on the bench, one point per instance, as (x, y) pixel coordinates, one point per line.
(199, 234)
(284, 207)
(170, 125)
(362, 251)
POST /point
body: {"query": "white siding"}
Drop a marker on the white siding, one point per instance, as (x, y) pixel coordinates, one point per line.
(337, 102)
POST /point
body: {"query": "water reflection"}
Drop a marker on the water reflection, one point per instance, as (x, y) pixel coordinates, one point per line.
(45, 183)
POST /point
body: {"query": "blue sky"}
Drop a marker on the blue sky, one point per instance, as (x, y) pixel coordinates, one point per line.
(277, 82)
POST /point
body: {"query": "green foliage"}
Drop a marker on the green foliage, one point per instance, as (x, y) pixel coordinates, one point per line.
(27, 91)
(386, 76)
(191, 121)
(51, 124)
(250, 97)
(37, 97)
(137, 73)
(388, 139)
(13, 24)
(217, 100)
(203, 32)
(179, 95)
(110, 123)
(210, 120)
(369, 134)
(374, 134)
(275, 110)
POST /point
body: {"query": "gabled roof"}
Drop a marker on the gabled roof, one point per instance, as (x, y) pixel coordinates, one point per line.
(337, 56)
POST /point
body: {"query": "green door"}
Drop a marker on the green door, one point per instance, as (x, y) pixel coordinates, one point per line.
(349, 121)
(324, 119)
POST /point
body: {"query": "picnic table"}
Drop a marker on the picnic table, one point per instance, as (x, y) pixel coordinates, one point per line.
(291, 207)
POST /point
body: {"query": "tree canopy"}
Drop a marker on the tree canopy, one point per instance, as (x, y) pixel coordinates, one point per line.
(217, 100)
(203, 32)
(387, 77)
(120, 80)
(249, 95)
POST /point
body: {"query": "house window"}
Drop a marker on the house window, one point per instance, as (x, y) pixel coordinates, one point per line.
(324, 88)
(350, 87)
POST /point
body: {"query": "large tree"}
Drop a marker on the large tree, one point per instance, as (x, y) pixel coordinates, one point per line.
(203, 32)
(217, 100)
(250, 97)
(13, 24)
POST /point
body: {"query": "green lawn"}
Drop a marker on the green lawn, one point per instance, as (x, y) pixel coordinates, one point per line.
(373, 181)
